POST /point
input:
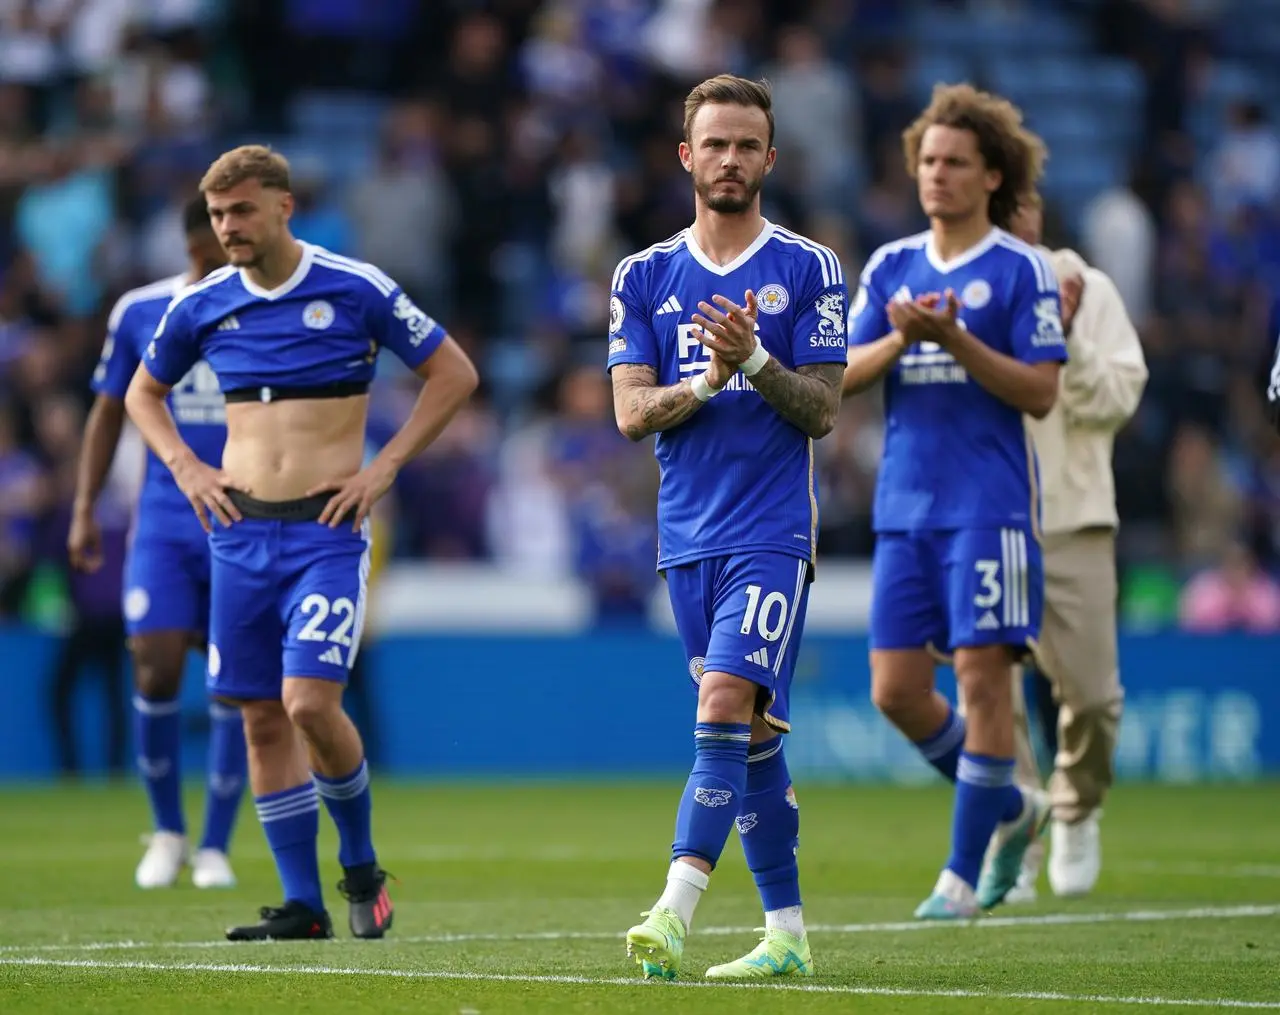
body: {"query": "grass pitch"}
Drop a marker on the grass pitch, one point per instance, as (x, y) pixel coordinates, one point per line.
(514, 899)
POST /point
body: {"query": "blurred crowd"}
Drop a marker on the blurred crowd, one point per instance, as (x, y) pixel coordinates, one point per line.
(497, 158)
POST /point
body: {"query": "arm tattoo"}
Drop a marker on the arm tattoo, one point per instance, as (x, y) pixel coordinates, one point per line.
(642, 407)
(807, 398)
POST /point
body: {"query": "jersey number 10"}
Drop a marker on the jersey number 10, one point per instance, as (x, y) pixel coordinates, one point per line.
(768, 616)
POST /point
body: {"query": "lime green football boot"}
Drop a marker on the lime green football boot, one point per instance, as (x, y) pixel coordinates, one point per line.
(777, 954)
(658, 943)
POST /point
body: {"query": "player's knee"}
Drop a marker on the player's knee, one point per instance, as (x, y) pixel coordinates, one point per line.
(312, 706)
(894, 696)
(983, 695)
(156, 682)
(902, 682)
(985, 681)
(266, 724)
(723, 697)
(158, 662)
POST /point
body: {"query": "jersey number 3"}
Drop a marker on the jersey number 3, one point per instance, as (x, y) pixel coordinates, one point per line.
(989, 578)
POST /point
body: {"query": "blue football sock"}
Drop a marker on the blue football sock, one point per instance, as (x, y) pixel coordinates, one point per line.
(228, 766)
(713, 795)
(158, 735)
(985, 796)
(769, 826)
(942, 749)
(291, 821)
(350, 804)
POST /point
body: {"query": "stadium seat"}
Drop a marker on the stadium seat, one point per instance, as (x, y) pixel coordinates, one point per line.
(1116, 82)
(941, 31)
(1026, 78)
(986, 32)
(329, 113)
(342, 162)
(928, 69)
(1232, 80)
(1071, 127)
(1074, 178)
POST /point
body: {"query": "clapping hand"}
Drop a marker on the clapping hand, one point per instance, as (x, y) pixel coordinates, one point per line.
(1072, 289)
(929, 318)
(730, 331)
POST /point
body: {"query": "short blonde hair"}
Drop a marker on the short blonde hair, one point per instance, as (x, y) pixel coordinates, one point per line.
(728, 90)
(248, 162)
(1006, 145)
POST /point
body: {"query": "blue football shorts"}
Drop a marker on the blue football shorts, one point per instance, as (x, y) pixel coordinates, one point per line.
(287, 600)
(957, 588)
(743, 615)
(166, 582)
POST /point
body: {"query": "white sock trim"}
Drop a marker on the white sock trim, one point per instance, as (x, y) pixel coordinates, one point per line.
(685, 885)
(790, 920)
(689, 874)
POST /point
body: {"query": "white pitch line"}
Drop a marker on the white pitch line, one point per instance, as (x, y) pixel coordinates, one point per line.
(1205, 870)
(987, 922)
(799, 988)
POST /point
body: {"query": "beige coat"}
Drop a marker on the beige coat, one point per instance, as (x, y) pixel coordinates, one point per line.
(1099, 390)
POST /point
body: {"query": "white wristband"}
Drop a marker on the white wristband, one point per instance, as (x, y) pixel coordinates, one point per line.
(754, 363)
(702, 389)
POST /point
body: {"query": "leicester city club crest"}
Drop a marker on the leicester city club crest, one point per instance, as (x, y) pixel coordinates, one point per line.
(772, 298)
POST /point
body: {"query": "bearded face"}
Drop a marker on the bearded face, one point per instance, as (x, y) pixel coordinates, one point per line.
(728, 155)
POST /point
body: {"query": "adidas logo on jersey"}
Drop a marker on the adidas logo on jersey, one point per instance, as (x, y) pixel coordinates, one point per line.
(670, 306)
(760, 657)
(229, 323)
(332, 655)
(987, 622)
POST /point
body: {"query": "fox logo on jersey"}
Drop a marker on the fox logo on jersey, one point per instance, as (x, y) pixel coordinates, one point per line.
(316, 315)
(772, 299)
(977, 294)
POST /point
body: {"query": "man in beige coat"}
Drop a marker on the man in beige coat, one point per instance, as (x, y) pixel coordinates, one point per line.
(1100, 387)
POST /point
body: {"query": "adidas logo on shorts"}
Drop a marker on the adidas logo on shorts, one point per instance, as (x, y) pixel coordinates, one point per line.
(760, 657)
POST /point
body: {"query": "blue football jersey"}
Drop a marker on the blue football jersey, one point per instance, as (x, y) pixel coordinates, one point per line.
(736, 476)
(955, 456)
(323, 326)
(195, 402)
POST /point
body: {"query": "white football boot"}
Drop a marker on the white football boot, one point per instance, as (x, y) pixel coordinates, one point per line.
(210, 868)
(163, 861)
(1075, 856)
